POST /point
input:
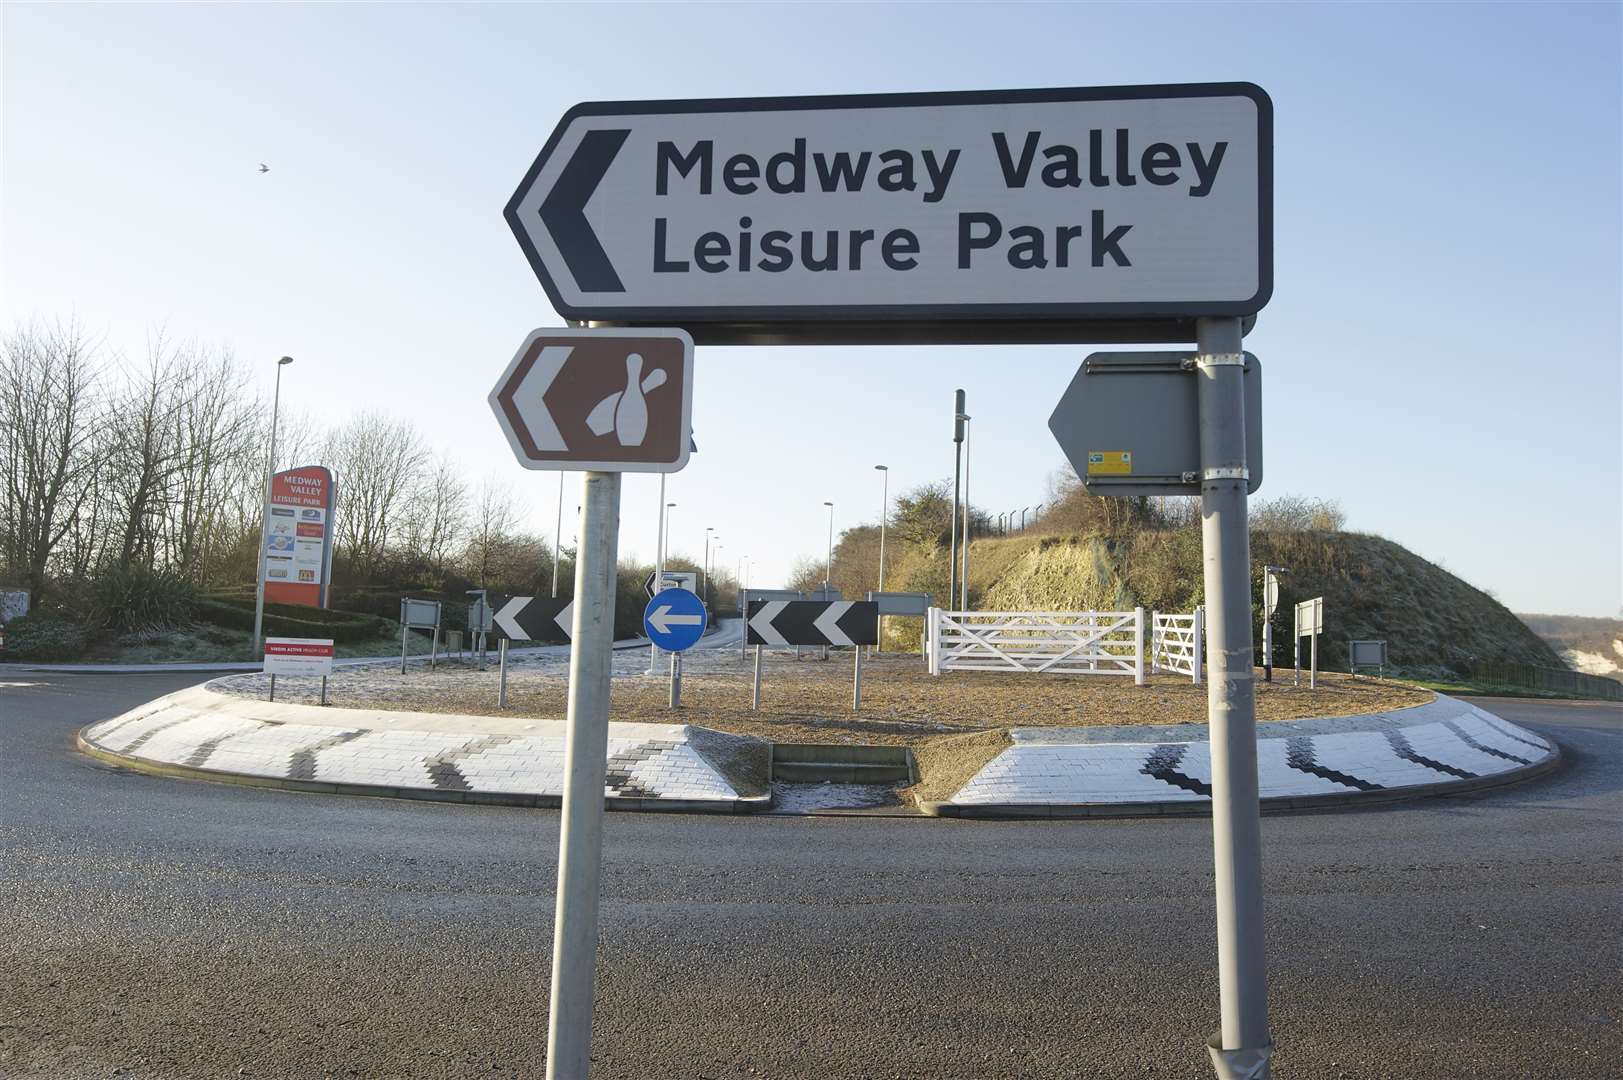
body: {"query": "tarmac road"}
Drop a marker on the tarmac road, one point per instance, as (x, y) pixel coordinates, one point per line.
(161, 928)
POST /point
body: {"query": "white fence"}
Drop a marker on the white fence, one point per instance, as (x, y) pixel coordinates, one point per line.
(1065, 642)
(1177, 643)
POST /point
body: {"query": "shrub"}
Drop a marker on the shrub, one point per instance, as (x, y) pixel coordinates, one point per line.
(292, 620)
(41, 636)
(137, 599)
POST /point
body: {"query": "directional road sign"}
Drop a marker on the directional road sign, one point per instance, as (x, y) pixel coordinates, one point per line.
(674, 620)
(1129, 423)
(600, 400)
(902, 603)
(932, 214)
(674, 579)
(544, 619)
(812, 622)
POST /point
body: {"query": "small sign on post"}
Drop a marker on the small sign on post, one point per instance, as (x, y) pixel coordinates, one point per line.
(421, 615)
(674, 620)
(1309, 623)
(601, 402)
(305, 657)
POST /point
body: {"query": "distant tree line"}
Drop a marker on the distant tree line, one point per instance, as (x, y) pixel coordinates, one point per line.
(154, 469)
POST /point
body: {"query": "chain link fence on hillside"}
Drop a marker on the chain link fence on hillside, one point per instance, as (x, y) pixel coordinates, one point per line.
(1553, 679)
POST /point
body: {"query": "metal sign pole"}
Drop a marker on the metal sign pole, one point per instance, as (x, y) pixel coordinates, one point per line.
(1242, 1047)
(580, 841)
(676, 680)
(1313, 661)
(273, 686)
(501, 685)
(434, 644)
(856, 681)
(405, 629)
(755, 695)
(324, 689)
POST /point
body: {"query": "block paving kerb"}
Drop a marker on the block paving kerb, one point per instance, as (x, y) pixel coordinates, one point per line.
(1445, 744)
(460, 758)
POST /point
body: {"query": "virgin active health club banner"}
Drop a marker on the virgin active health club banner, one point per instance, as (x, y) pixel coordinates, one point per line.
(298, 536)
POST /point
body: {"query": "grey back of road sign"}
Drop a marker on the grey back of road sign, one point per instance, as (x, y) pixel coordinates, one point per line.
(1129, 423)
(1366, 653)
(419, 612)
(1310, 617)
(752, 595)
(902, 603)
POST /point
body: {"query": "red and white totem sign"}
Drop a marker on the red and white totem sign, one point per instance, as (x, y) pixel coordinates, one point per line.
(298, 536)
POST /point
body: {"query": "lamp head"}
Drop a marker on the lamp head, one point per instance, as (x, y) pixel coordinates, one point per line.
(284, 360)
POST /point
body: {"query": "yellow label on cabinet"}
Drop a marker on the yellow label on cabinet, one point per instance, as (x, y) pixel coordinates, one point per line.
(1110, 462)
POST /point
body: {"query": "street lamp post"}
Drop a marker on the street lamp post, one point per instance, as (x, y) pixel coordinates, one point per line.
(704, 570)
(957, 481)
(884, 514)
(264, 538)
(828, 567)
(963, 576)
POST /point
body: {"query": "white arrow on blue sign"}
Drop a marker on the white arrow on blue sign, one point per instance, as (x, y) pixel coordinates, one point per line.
(674, 620)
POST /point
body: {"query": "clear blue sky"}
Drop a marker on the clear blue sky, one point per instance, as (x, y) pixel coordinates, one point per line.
(1443, 345)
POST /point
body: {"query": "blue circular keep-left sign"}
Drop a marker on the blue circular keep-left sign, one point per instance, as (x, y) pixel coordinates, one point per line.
(674, 620)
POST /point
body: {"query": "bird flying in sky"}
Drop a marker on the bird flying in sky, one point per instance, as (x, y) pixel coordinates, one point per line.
(263, 167)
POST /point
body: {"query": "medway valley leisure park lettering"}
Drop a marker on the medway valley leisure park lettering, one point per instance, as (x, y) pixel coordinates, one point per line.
(1105, 159)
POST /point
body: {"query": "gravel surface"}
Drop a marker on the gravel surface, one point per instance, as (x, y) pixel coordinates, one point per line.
(809, 700)
(161, 929)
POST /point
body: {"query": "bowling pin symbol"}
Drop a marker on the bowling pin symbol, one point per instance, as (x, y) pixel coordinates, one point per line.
(626, 411)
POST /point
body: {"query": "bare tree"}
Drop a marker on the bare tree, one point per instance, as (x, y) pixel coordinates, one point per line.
(217, 432)
(436, 514)
(379, 462)
(142, 452)
(808, 573)
(492, 529)
(48, 383)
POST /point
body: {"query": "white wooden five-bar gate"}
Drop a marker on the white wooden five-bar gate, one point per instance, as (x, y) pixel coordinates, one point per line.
(1061, 642)
(1177, 642)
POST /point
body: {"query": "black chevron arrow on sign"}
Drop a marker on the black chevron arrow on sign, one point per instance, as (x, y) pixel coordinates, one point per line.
(564, 211)
(812, 622)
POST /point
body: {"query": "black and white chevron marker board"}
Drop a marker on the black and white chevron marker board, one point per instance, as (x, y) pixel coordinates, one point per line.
(812, 622)
(540, 620)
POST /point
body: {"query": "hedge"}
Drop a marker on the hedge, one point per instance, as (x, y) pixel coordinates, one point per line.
(44, 637)
(291, 620)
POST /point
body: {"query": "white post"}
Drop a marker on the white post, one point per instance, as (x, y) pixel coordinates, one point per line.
(580, 841)
(1200, 644)
(932, 634)
(1138, 646)
(1155, 642)
(1313, 663)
